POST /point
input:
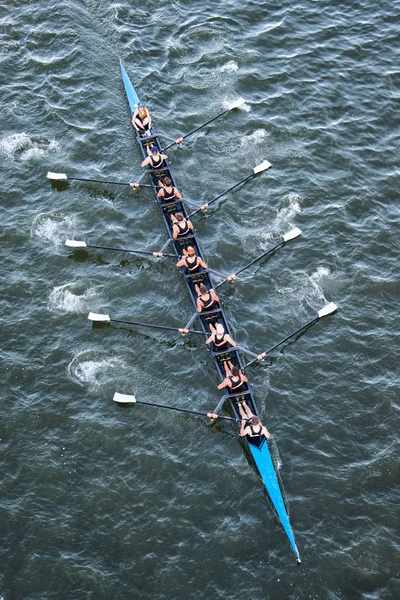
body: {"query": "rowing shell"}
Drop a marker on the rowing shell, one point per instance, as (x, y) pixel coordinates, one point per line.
(262, 455)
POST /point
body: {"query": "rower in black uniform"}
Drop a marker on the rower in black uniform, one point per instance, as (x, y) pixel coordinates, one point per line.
(255, 432)
(155, 158)
(180, 226)
(191, 261)
(234, 380)
(205, 299)
(220, 339)
(168, 193)
(141, 120)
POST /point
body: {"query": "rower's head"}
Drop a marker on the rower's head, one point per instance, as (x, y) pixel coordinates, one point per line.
(154, 150)
(179, 217)
(190, 251)
(235, 371)
(255, 420)
(167, 181)
(203, 289)
(219, 329)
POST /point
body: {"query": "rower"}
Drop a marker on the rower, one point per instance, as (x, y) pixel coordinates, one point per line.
(180, 225)
(141, 120)
(205, 299)
(168, 193)
(155, 158)
(255, 432)
(234, 380)
(191, 261)
(220, 339)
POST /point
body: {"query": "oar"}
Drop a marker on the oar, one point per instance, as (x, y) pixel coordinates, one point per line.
(261, 167)
(324, 312)
(64, 177)
(291, 235)
(99, 318)
(179, 141)
(126, 399)
(79, 244)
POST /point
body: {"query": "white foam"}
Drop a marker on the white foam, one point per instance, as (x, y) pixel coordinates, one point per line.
(285, 215)
(257, 137)
(89, 368)
(229, 67)
(53, 228)
(22, 147)
(71, 298)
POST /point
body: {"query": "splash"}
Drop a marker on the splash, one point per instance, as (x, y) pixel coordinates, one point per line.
(229, 67)
(53, 228)
(19, 146)
(71, 298)
(291, 206)
(257, 137)
(89, 368)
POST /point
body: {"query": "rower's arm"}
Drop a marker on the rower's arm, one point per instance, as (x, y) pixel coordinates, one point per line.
(164, 156)
(224, 384)
(202, 263)
(199, 305)
(210, 339)
(266, 432)
(243, 428)
(214, 296)
(177, 193)
(181, 262)
(230, 340)
(146, 162)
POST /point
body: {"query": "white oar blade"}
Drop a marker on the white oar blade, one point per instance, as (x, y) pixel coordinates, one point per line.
(99, 318)
(327, 310)
(262, 167)
(60, 176)
(291, 235)
(237, 104)
(125, 398)
(75, 244)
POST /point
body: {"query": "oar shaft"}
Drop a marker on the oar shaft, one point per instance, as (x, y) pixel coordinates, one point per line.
(234, 275)
(282, 341)
(223, 194)
(97, 180)
(186, 410)
(181, 330)
(183, 137)
(131, 251)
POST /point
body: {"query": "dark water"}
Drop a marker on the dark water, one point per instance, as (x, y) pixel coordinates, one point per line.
(101, 502)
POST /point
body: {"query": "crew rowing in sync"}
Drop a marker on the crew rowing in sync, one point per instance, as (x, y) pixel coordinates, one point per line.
(220, 339)
(155, 158)
(205, 298)
(180, 225)
(191, 261)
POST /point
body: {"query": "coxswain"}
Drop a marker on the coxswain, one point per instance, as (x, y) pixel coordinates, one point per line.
(191, 261)
(155, 158)
(168, 193)
(141, 119)
(180, 225)
(234, 379)
(220, 339)
(205, 298)
(255, 432)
